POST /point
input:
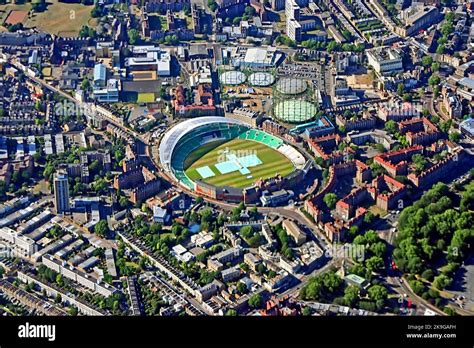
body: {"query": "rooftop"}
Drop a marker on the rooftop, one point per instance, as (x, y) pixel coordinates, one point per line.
(99, 72)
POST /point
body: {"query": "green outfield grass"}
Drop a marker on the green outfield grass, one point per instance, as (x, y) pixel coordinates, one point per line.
(273, 163)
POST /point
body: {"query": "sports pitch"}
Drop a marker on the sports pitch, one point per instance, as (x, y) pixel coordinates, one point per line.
(237, 163)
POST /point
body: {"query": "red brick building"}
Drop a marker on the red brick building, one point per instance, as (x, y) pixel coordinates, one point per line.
(396, 162)
(419, 131)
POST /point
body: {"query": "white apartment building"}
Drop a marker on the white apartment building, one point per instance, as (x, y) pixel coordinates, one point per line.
(385, 60)
(295, 25)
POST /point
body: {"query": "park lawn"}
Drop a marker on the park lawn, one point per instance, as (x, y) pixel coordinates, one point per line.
(273, 163)
(42, 187)
(63, 19)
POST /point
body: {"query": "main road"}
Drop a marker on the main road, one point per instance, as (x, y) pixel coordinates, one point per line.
(401, 287)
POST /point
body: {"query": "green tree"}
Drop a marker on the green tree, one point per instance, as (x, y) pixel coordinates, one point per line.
(250, 11)
(85, 84)
(38, 5)
(441, 49)
(374, 264)
(94, 166)
(242, 288)
(332, 46)
(419, 161)
(96, 12)
(400, 89)
(123, 202)
(407, 97)
(377, 293)
(426, 61)
(236, 20)
(446, 29)
(391, 126)
(351, 295)
(212, 5)
(434, 80)
(417, 286)
(454, 136)
(442, 281)
(379, 249)
(428, 274)
(256, 301)
(59, 280)
(101, 228)
(445, 126)
(449, 311)
(100, 185)
(321, 287)
(369, 218)
(133, 36)
(330, 199)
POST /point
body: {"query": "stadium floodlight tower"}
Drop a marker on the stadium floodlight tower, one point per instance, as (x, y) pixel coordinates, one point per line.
(294, 100)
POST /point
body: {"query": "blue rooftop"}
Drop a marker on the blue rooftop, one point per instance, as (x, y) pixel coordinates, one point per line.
(317, 123)
(99, 72)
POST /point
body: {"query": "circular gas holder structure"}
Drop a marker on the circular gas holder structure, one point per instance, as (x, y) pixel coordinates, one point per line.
(261, 79)
(295, 111)
(291, 86)
(294, 101)
(233, 78)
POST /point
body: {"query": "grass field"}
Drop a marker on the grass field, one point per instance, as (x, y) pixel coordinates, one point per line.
(64, 19)
(208, 155)
(146, 98)
(59, 18)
